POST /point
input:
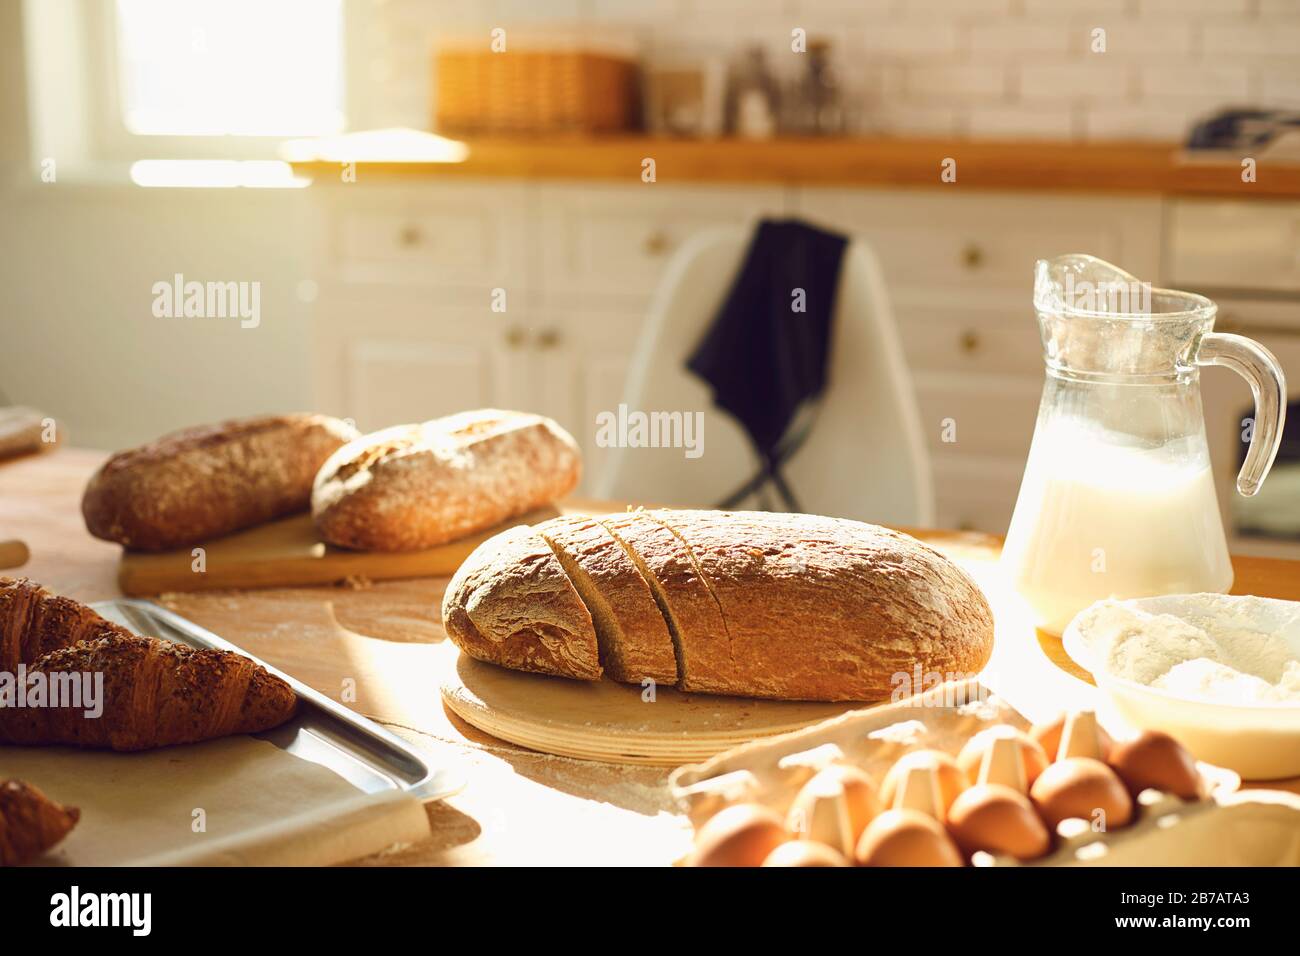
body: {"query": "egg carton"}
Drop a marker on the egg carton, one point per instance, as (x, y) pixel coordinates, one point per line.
(1227, 828)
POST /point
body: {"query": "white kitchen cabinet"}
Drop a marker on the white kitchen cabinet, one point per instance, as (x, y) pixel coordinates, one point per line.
(609, 244)
(571, 369)
(404, 327)
(988, 340)
(940, 243)
(458, 239)
(389, 381)
(388, 358)
(385, 359)
(975, 415)
(407, 275)
(601, 347)
(1229, 244)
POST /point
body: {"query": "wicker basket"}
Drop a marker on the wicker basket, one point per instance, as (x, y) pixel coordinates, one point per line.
(534, 91)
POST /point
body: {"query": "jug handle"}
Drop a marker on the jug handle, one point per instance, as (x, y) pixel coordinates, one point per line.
(1257, 366)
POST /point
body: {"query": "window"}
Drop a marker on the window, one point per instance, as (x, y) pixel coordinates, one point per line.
(230, 68)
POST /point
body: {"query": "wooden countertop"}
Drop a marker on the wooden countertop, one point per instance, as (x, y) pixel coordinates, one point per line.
(980, 164)
(520, 807)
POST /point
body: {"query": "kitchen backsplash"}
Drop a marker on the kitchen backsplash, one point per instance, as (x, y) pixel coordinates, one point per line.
(979, 68)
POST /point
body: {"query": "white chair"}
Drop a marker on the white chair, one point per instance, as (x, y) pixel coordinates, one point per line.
(865, 458)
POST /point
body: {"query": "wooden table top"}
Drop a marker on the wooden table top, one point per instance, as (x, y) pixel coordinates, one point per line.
(519, 807)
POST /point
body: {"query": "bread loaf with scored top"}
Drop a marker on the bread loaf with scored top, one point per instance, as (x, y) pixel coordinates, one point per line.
(416, 486)
(204, 482)
(693, 616)
(631, 634)
(754, 604)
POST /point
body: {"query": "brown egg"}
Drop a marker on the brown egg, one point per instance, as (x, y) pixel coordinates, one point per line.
(1080, 787)
(742, 835)
(951, 779)
(1154, 759)
(1048, 736)
(834, 807)
(997, 819)
(906, 838)
(972, 754)
(804, 853)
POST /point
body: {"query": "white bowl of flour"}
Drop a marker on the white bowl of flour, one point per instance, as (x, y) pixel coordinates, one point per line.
(1219, 672)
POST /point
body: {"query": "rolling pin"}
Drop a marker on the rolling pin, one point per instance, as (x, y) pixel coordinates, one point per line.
(13, 554)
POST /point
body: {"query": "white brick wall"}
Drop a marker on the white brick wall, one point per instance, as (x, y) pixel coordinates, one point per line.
(1226, 83)
(1075, 82)
(983, 68)
(1278, 37)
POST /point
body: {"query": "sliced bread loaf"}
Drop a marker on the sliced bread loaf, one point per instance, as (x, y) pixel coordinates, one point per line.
(825, 609)
(633, 637)
(704, 661)
(512, 604)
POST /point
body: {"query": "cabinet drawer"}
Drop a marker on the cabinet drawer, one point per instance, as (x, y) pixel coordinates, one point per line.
(943, 239)
(978, 415)
(1235, 245)
(617, 240)
(955, 339)
(468, 239)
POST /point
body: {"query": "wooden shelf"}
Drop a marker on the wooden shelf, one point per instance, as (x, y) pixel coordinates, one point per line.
(980, 164)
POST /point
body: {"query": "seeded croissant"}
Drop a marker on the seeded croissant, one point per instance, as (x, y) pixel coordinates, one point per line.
(34, 622)
(30, 822)
(155, 694)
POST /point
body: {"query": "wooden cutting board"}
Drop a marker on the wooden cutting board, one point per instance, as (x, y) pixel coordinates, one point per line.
(289, 552)
(613, 722)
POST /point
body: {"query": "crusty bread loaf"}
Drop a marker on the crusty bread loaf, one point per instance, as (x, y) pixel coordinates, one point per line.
(693, 615)
(512, 604)
(764, 605)
(415, 486)
(633, 638)
(816, 606)
(208, 481)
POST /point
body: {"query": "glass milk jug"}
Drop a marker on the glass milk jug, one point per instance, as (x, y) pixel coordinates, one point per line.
(1117, 498)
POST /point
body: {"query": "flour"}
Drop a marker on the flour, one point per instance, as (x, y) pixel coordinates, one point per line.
(1227, 662)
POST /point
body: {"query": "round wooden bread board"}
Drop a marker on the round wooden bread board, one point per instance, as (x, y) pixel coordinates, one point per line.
(612, 722)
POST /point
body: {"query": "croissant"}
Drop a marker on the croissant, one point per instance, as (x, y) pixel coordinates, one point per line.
(30, 822)
(155, 694)
(34, 622)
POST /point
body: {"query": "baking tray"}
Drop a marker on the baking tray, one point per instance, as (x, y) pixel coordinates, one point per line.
(322, 731)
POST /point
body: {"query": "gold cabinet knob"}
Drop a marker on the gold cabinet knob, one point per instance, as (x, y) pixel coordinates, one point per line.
(516, 337)
(410, 236)
(656, 243)
(972, 257)
(549, 339)
(970, 342)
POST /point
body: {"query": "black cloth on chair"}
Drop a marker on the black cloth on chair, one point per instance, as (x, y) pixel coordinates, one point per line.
(763, 358)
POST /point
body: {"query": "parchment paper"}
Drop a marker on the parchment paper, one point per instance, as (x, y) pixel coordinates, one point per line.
(260, 806)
